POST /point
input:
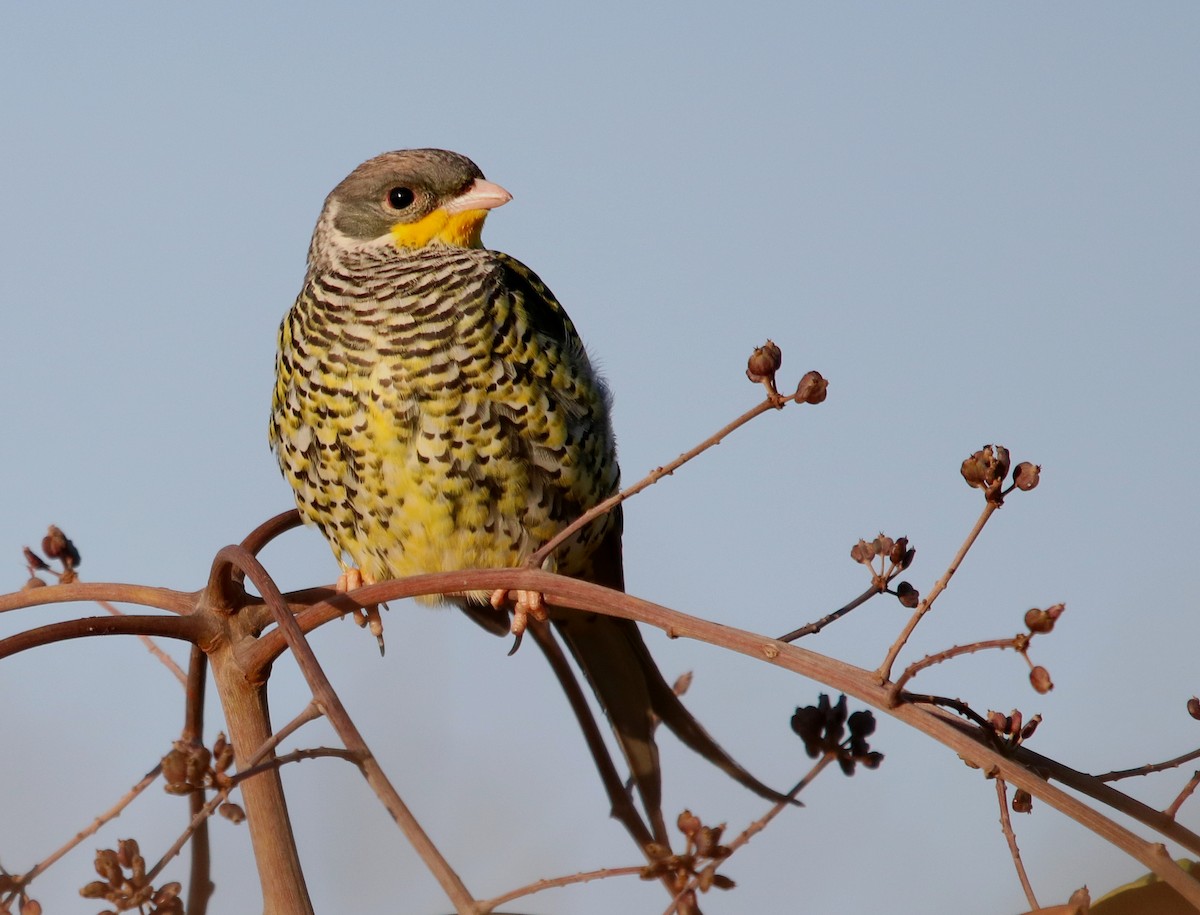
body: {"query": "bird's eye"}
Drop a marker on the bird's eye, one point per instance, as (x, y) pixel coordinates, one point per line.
(400, 198)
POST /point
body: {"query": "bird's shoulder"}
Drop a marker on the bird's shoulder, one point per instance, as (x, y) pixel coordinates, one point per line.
(534, 300)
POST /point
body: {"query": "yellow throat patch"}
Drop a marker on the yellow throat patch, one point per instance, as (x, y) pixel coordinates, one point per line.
(461, 230)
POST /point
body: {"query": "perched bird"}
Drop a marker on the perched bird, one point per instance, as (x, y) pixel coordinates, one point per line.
(435, 410)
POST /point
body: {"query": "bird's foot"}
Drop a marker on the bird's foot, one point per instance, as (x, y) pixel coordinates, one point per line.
(526, 604)
(350, 580)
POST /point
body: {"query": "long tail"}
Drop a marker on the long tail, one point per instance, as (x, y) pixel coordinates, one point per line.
(633, 693)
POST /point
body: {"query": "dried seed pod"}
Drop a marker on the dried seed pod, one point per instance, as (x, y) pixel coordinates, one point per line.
(862, 552)
(907, 595)
(688, 823)
(94, 890)
(167, 892)
(1038, 620)
(1039, 677)
(812, 389)
(764, 362)
(1022, 801)
(1026, 475)
(35, 562)
(128, 852)
(54, 544)
(1030, 727)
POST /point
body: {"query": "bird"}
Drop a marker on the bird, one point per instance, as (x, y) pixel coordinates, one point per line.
(435, 410)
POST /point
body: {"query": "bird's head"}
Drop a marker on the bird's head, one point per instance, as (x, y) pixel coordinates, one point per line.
(413, 198)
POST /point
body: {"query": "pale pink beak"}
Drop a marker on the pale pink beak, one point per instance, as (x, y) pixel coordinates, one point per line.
(481, 195)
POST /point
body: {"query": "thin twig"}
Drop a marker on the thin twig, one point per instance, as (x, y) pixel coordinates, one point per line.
(111, 814)
(537, 558)
(761, 823)
(298, 756)
(885, 669)
(1011, 838)
(1183, 795)
(938, 657)
(1149, 767)
(308, 713)
(956, 705)
(487, 905)
(815, 627)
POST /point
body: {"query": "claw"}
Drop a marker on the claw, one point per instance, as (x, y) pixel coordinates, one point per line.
(351, 580)
(516, 643)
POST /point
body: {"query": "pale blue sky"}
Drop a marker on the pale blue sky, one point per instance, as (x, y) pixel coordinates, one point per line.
(979, 221)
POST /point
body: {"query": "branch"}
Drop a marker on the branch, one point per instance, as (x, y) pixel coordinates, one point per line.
(329, 702)
(185, 628)
(200, 885)
(775, 402)
(111, 814)
(488, 905)
(1149, 768)
(815, 627)
(885, 669)
(1017, 769)
(1011, 838)
(180, 602)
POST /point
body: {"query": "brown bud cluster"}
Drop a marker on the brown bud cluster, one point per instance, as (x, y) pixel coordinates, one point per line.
(1013, 726)
(1042, 621)
(762, 367)
(823, 728)
(1193, 707)
(125, 884)
(696, 868)
(190, 766)
(988, 468)
(895, 556)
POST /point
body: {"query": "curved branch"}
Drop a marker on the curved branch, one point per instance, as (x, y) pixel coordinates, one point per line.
(270, 529)
(181, 602)
(184, 628)
(854, 681)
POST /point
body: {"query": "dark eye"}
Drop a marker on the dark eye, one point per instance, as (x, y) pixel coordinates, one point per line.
(400, 198)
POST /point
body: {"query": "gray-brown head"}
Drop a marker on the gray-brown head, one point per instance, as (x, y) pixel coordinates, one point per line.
(412, 198)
